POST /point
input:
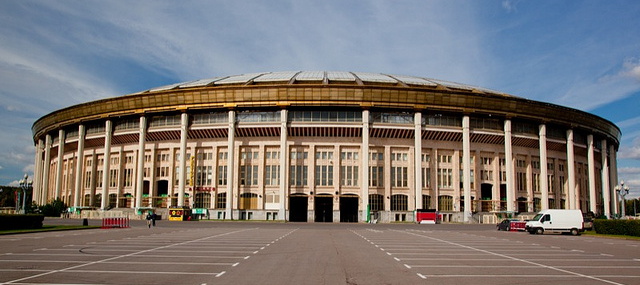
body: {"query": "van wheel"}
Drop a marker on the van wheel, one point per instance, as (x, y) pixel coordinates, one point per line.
(574, 232)
(539, 231)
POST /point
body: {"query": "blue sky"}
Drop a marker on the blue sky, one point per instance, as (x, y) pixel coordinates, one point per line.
(580, 54)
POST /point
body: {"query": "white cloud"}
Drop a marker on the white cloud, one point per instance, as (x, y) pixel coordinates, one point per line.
(629, 170)
(587, 94)
(1, 167)
(630, 152)
(510, 5)
(631, 68)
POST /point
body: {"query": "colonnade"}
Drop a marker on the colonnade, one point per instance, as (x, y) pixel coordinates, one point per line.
(44, 146)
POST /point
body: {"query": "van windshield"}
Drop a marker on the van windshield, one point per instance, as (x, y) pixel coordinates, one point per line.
(537, 217)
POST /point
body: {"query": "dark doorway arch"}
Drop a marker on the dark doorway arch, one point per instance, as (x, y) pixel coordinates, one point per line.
(349, 208)
(298, 206)
(323, 209)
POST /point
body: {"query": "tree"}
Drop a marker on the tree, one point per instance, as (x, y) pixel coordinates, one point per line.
(53, 209)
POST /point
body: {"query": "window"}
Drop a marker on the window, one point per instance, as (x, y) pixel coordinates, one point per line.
(399, 176)
(113, 178)
(248, 175)
(521, 181)
(203, 200)
(349, 161)
(349, 175)
(272, 175)
(222, 175)
(376, 176)
(128, 177)
(99, 178)
(298, 170)
(298, 175)
(426, 178)
(221, 201)
(324, 175)
(536, 182)
(399, 202)
(445, 203)
(204, 175)
(426, 202)
(87, 179)
(445, 177)
(325, 116)
(376, 202)
(324, 167)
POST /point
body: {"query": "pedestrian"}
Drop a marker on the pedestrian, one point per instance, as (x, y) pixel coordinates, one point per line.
(149, 219)
(153, 219)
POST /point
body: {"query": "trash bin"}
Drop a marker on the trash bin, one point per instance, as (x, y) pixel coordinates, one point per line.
(85, 222)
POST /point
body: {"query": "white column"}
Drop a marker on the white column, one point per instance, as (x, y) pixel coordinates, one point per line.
(435, 181)
(530, 191)
(141, 155)
(284, 166)
(571, 168)
(606, 188)
(106, 165)
(183, 158)
(417, 145)
(466, 168)
(365, 165)
(231, 168)
(613, 177)
(47, 168)
(508, 160)
(544, 181)
(592, 175)
(79, 166)
(37, 173)
(60, 163)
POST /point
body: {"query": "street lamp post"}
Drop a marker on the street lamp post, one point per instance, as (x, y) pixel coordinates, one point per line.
(25, 184)
(622, 191)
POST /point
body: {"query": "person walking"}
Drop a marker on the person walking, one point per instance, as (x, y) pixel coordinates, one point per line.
(149, 219)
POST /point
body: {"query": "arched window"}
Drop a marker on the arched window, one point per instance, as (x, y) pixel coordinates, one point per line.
(445, 203)
(203, 200)
(248, 201)
(399, 202)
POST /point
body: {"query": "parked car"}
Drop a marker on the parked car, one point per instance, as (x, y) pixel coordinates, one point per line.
(563, 221)
(511, 225)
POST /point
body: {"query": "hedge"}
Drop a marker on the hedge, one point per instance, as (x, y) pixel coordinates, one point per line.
(20, 222)
(617, 227)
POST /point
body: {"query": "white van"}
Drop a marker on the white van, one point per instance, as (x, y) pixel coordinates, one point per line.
(564, 221)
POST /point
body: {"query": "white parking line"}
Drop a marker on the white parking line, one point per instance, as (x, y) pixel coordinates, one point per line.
(517, 259)
(74, 268)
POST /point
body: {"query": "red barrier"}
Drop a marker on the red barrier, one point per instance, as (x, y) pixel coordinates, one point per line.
(109, 223)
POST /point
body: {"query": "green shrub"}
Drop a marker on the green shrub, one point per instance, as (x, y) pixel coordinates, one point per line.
(53, 209)
(617, 227)
(20, 222)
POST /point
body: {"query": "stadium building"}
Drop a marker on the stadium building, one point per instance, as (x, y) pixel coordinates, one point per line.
(326, 147)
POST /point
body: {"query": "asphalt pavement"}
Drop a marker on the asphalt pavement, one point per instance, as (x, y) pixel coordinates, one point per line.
(205, 252)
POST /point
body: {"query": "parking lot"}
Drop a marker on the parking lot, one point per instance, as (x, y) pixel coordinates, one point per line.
(313, 253)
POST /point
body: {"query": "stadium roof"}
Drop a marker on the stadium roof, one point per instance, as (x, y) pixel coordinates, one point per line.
(324, 77)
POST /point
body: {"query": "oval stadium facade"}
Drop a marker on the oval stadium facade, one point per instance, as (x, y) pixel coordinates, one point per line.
(326, 146)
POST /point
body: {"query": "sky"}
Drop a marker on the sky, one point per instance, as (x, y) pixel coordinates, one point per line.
(581, 54)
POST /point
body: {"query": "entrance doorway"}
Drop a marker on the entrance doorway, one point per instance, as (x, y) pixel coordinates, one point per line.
(298, 206)
(349, 209)
(324, 209)
(160, 199)
(486, 191)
